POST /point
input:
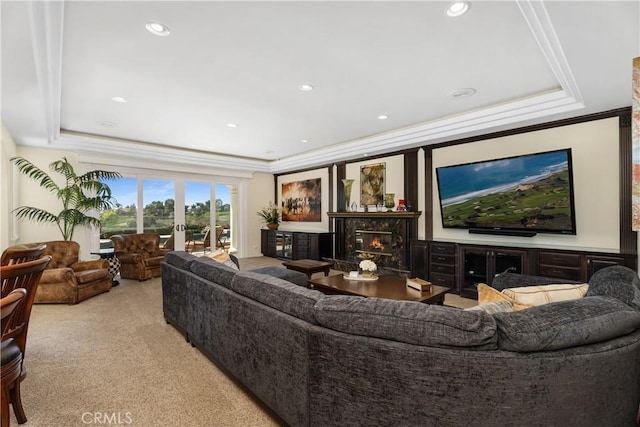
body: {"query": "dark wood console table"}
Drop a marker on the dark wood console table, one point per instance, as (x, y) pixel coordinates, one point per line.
(463, 266)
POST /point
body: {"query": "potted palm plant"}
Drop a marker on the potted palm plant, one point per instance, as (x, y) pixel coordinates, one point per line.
(270, 215)
(80, 194)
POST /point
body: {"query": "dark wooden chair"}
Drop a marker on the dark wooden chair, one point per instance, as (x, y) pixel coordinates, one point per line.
(21, 253)
(25, 275)
(11, 354)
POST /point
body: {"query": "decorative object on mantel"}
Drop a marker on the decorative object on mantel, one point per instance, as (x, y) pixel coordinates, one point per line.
(389, 201)
(372, 184)
(270, 215)
(354, 207)
(401, 207)
(347, 183)
(367, 268)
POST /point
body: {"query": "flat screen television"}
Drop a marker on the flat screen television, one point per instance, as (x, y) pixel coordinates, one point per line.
(520, 195)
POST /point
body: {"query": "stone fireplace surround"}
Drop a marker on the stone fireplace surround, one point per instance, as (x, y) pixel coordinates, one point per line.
(348, 228)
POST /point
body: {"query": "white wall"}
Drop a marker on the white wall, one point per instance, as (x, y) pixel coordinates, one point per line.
(8, 230)
(595, 155)
(31, 194)
(260, 192)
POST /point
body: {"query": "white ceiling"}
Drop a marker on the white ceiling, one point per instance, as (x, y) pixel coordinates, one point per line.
(243, 62)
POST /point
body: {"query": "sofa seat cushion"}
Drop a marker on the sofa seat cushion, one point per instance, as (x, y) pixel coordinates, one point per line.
(565, 324)
(213, 270)
(89, 276)
(179, 259)
(278, 294)
(406, 321)
(292, 276)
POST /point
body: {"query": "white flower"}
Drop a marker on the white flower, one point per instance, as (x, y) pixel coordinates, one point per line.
(368, 265)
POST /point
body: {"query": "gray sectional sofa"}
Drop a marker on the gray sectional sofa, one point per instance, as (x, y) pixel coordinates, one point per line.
(329, 360)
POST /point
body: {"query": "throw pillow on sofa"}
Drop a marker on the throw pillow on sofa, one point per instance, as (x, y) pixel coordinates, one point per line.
(530, 296)
(223, 258)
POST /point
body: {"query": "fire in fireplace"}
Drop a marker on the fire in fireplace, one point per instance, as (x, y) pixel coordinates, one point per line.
(373, 242)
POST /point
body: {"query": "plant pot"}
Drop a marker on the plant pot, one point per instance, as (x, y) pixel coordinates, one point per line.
(272, 226)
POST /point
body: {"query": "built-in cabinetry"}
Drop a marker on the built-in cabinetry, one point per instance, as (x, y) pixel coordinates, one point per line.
(479, 264)
(296, 244)
(463, 266)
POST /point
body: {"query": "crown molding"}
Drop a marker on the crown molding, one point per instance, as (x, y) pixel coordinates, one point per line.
(46, 27)
(132, 153)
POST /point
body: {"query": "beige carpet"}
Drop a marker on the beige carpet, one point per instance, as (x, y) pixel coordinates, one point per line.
(112, 360)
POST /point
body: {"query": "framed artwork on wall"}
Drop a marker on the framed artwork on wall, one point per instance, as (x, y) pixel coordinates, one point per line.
(372, 184)
(302, 200)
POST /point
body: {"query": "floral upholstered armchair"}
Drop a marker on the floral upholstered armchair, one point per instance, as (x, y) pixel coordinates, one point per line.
(140, 255)
(69, 280)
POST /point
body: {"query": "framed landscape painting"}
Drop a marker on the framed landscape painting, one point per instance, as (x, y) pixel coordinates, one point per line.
(302, 200)
(372, 184)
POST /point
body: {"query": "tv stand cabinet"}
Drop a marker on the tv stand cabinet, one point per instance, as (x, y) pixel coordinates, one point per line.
(463, 266)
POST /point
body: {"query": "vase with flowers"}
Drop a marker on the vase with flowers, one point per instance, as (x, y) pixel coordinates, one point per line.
(367, 268)
(270, 216)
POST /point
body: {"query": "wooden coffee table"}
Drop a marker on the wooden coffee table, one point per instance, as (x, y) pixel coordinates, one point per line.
(390, 287)
(308, 266)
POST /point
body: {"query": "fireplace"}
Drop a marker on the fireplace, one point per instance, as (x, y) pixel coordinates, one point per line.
(382, 236)
(373, 243)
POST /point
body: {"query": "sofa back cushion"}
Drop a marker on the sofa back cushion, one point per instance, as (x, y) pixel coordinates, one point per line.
(565, 324)
(145, 244)
(213, 271)
(406, 321)
(618, 282)
(63, 253)
(278, 294)
(179, 259)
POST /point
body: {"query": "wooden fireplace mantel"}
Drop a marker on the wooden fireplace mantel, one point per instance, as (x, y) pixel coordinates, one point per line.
(394, 214)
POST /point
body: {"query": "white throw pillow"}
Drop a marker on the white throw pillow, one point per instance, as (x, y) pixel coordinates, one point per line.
(544, 294)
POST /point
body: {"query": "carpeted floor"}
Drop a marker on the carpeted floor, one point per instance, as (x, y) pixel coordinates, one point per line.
(113, 360)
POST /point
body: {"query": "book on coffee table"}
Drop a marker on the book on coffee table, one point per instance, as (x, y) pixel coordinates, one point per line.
(419, 284)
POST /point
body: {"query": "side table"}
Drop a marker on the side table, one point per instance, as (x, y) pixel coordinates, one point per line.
(114, 263)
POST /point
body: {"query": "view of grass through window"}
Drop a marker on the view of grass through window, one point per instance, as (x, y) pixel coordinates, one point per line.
(158, 197)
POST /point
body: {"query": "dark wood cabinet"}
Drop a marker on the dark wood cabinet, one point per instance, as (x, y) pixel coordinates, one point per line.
(462, 266)
(442, 264)
(479, 264)
(296, 244)
(561, 265)
(419, 258)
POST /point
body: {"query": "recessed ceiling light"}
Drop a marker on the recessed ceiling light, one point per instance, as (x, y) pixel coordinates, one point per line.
(119, 99)
(383, 117)
(158, 29)
(303, 140)
(462, 93)
(306, 88)
(108, 124)
(232, 125)
(458, 8)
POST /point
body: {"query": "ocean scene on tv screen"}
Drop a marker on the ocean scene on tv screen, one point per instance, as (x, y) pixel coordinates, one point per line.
(525, 192)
